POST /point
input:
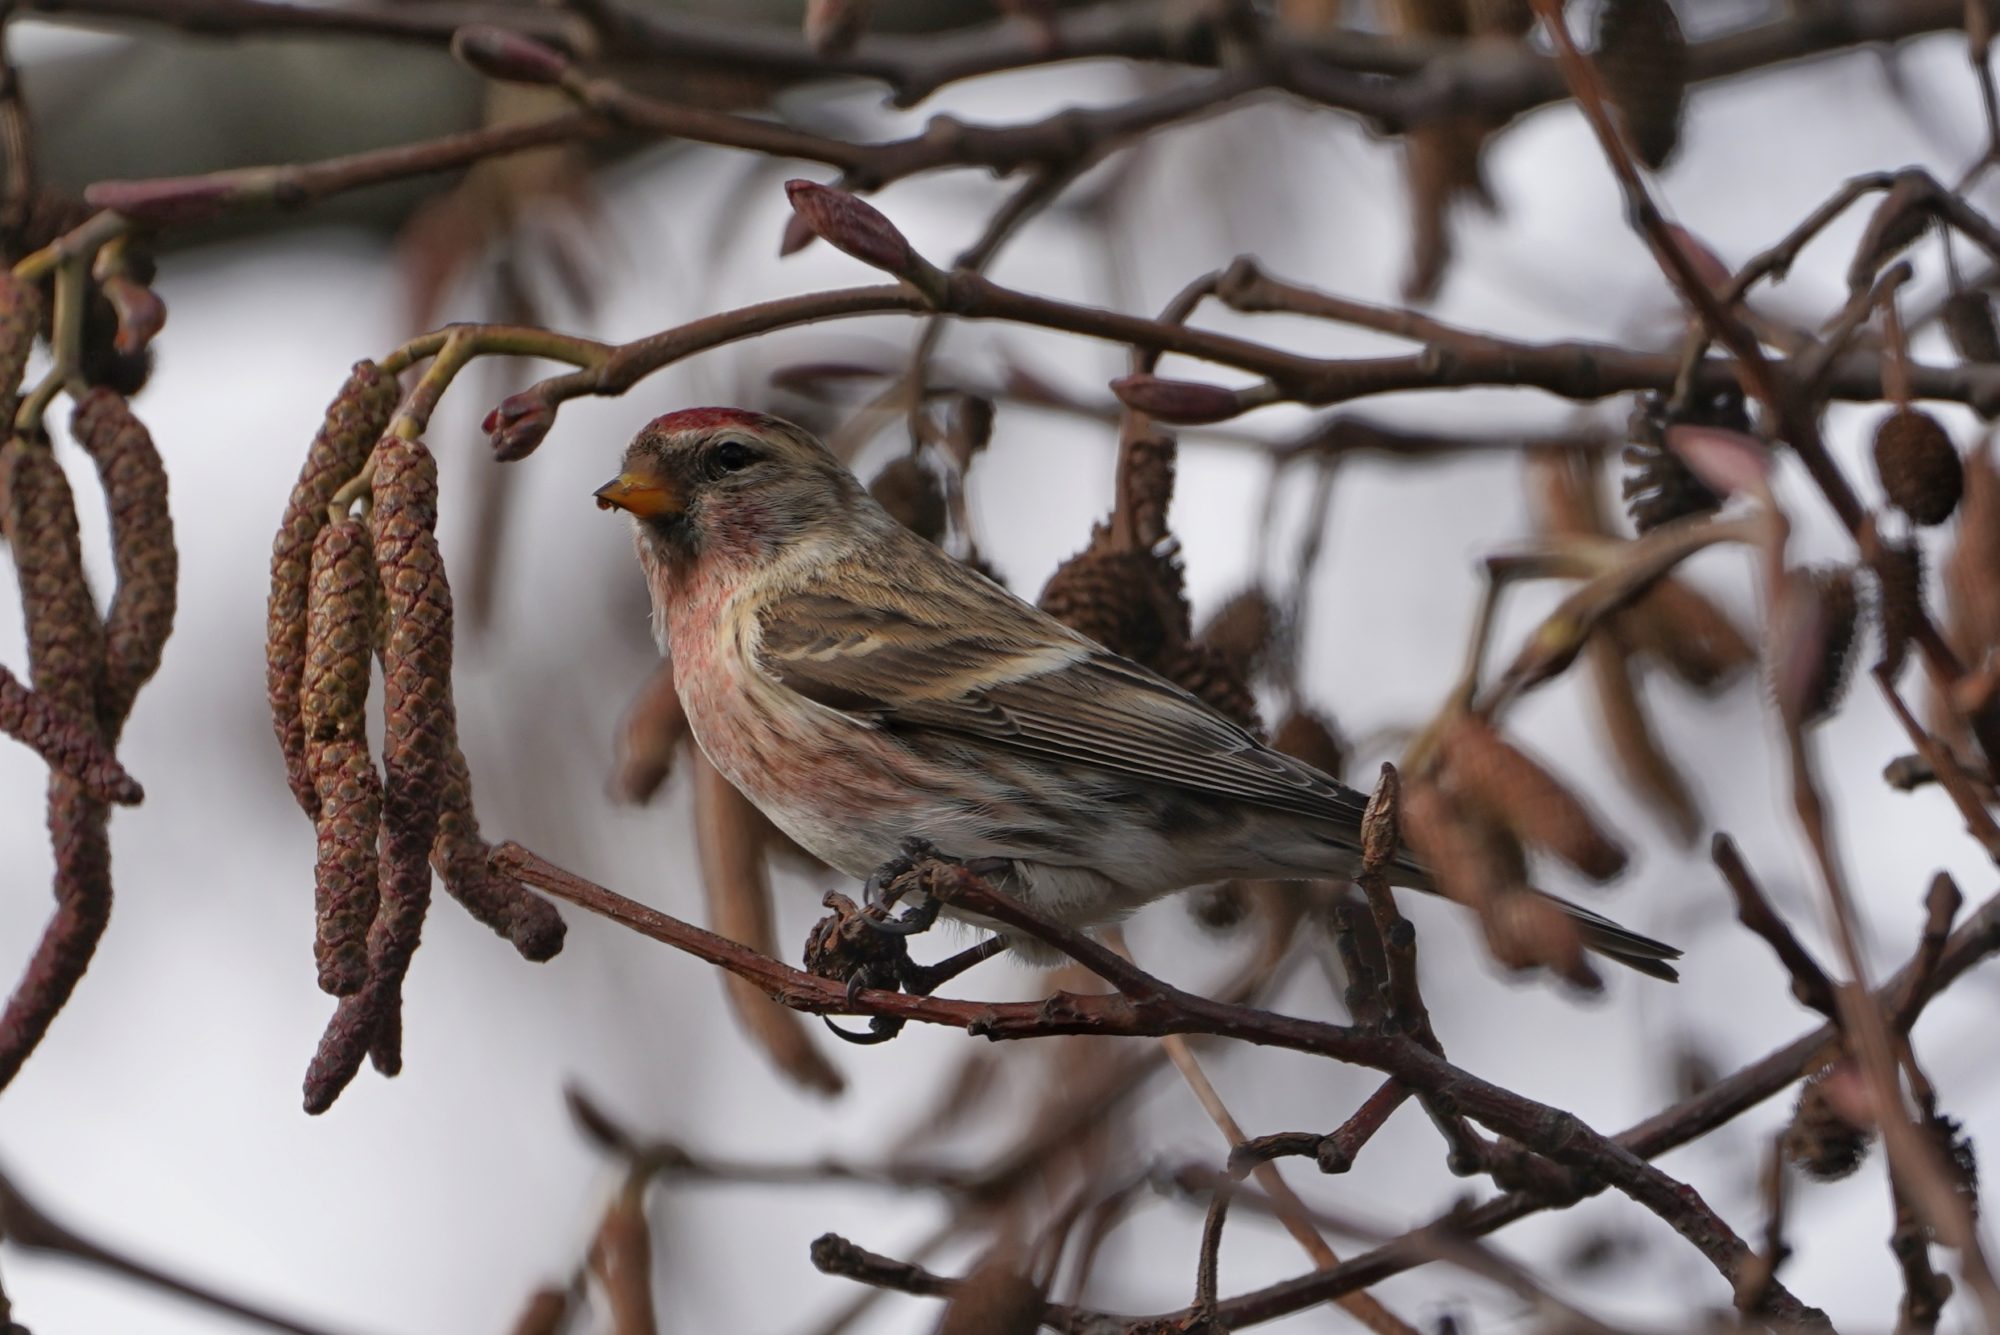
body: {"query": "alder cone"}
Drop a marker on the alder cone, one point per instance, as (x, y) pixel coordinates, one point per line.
(1968, 322)
(1205, 673)
(1644, 60)
(354, 421)
(1899, 584)
(1819, 616)
(1244, 631)
(334, 706)
(1122, 599)
(142, 544)
(1819, 1140)
(417, 711)
(1305, 735)
(1920, 469)
(912, 495)
(1659, 487)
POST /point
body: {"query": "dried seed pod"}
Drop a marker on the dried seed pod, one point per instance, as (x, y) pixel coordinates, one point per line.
(20, 320)
(1679, 627)
(461, 858)
(1968, 322)
(1820, 1140)
(1491, 774)
(67, 743)
(1127, 601)
(1473, 862)
(1658, 486)
(543, 1313)
(996, 1298)
(1646, 765)
(65, 661)
(1898, 568)
(1813, 634)
(1245, 631)
(621, 1258)
(417, 712)
(1918, 465)
(729, 837)
(333, 708)
(913, 496)
(1525, 930)
(1206, 674)
(354, 421)
(1305, 735)
(142, 544)
(1644, 60)
(654, 725)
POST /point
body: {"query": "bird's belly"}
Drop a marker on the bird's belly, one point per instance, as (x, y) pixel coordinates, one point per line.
(824, 780)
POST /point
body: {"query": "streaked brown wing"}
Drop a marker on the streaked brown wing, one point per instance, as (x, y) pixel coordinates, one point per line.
(975, 662)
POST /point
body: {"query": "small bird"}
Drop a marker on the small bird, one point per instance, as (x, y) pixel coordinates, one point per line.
(863, 688)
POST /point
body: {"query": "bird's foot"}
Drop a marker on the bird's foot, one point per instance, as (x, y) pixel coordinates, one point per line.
(849, 945)
(890, 883)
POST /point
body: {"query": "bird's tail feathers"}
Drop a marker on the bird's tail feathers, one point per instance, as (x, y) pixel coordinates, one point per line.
(1621, 944)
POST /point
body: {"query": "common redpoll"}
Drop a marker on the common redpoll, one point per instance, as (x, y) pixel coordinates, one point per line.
(863, 688)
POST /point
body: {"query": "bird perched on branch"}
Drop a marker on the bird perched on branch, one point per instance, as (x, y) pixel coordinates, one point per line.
(863, 688)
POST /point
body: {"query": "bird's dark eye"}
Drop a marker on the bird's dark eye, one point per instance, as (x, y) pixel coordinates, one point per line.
(732, 456)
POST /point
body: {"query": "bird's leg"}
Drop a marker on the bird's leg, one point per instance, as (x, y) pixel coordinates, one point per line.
(920, 980)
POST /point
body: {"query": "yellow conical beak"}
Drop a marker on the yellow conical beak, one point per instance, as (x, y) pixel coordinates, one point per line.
(643, 494)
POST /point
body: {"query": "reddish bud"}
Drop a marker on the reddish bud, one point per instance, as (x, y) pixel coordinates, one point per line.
(851, 224)
(1726, 461)
(518, 425)
(797, 236)
(501, 53)
(169, 201)
(1186, 402)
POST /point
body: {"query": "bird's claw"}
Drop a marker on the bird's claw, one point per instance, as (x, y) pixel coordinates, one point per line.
(880, 1029)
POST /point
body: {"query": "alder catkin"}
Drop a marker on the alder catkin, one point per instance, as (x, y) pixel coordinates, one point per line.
(417, 710)
(334, 702)
(142, 545)
(20, 321)
(65, 742)
(459, 855)
(355, 419)
(65, 662)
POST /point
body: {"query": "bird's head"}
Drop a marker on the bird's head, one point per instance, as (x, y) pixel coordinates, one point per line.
(727, 485)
